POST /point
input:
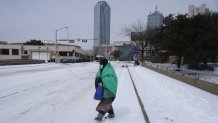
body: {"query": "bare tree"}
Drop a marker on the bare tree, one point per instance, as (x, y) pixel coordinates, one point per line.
(137, 32)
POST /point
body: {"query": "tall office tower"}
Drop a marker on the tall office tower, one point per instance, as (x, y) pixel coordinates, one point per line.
(193, 11)
(102, 12)
(155, 19)
(203, 9)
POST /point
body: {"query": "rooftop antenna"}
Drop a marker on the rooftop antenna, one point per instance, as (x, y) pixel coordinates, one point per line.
(156, 8)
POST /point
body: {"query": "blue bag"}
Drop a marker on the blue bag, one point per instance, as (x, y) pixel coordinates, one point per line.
(98, 93)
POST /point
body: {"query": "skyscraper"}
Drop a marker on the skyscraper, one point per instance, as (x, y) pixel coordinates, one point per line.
(102, 12)
(193, 11)
(155, 19)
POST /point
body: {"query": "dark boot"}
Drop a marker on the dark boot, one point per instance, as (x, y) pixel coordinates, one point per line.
(111, 116)
(111, 113)
(99, 117)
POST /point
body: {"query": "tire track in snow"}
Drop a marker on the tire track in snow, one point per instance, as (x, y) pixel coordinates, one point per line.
(10, 95)
(50, 93)
(29, 89)
(24, 112)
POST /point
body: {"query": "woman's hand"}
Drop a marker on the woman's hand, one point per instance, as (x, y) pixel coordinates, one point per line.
(98, 80)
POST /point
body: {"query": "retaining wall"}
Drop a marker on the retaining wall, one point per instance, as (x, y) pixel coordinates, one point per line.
(20, 61)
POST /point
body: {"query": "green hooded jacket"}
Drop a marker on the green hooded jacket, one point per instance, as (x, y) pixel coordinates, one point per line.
(109, 80)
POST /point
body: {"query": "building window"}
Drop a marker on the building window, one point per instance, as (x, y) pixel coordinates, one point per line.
(25, 52)
(71, 53)
(63, 53)
(15, 52)
(4, 51)
(76, 54)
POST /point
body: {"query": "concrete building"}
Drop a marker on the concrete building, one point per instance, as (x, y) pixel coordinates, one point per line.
(155, 19)
(193, 11)
(45, 52)
(10, 51)
(104, 50)
(125, 48)
(102, 12)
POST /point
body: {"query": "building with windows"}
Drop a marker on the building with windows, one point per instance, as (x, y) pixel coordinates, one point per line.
(122, 46)
(102, 12)
(155, 19)
(104, 50)
(46, 52)
(125, 49)
(10, 51)
(193, 11)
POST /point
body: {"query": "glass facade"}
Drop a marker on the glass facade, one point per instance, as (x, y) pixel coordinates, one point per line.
(102, 13)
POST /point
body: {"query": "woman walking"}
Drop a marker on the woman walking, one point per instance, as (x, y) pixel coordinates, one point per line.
(107, 78)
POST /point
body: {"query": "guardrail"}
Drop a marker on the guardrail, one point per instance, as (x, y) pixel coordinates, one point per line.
(210, 77)
(187, 76)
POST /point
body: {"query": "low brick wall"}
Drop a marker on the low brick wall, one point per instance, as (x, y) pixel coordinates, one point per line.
(20, 61)
(204, 85)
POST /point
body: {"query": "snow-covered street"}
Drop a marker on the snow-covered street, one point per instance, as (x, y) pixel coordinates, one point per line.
(63, 93)
(60, 93)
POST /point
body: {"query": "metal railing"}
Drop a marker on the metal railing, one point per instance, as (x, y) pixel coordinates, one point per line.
(206, 76)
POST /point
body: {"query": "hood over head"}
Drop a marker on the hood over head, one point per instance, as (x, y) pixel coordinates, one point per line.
(103, 62)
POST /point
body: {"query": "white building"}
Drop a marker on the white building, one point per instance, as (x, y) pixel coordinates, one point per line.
(193, 11)
(104, 50)
(45, 52)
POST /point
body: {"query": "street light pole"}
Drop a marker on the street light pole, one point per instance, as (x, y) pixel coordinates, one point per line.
(39, 52)
(68, 38)
(56, 39)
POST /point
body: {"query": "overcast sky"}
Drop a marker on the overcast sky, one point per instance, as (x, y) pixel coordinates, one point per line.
(22, 20)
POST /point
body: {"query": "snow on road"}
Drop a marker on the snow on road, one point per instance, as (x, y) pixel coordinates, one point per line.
(63, 93)
(57, 93)
(46, 96)
(167, 100)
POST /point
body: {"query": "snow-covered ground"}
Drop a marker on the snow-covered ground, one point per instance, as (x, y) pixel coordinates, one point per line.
(63, 93)
(60, 93)
(167, 100)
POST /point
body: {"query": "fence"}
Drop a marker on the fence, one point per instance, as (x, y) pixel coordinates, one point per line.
(210, 77)
(204, 81)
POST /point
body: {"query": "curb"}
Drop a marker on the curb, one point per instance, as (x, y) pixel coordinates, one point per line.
(139, 99)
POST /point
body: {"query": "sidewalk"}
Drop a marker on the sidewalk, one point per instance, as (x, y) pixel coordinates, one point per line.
(167, 100)
(126, 105)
